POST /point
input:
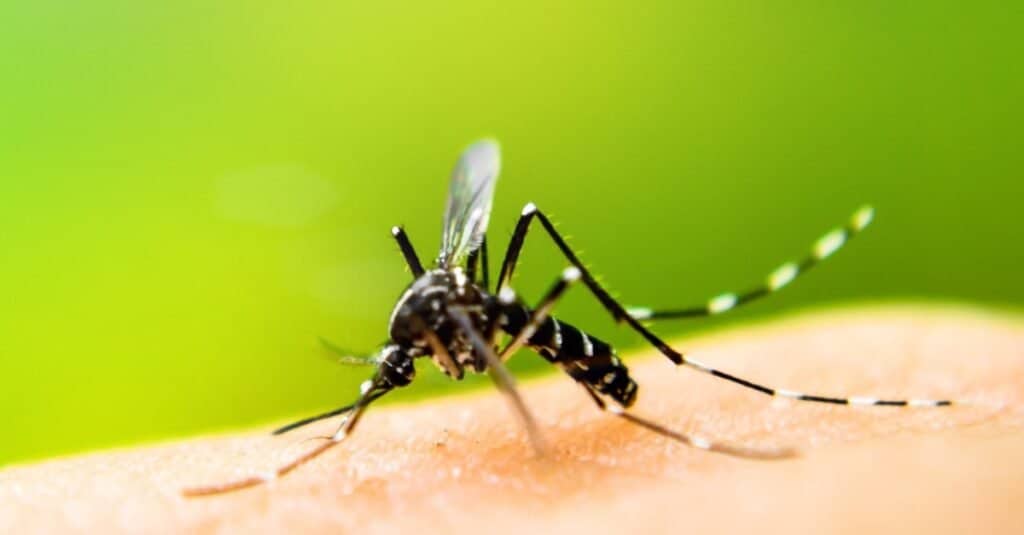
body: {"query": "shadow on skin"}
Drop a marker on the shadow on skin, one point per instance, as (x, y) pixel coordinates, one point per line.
(463, 464)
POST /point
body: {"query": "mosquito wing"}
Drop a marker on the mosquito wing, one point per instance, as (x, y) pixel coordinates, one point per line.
(470, 197)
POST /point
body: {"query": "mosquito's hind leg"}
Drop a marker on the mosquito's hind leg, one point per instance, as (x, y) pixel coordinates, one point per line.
(530, 212)
(689, 440)
(775, 281)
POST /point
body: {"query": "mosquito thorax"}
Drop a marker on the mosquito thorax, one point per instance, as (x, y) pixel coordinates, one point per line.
(421, 308)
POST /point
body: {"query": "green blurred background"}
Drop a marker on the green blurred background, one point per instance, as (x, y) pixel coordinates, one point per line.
(193, 192)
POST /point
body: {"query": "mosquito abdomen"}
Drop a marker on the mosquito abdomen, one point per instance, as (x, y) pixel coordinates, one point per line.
(584, 357)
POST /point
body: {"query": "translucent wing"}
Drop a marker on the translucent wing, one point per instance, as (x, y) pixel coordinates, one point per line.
(470, 197)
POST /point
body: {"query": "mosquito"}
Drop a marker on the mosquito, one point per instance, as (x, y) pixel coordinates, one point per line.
(452, 315)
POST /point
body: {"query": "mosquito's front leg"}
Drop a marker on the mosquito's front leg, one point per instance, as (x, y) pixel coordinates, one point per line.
(408, 251)
(396, 369)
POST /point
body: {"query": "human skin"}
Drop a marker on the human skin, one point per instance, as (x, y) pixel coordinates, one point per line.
(463, 464)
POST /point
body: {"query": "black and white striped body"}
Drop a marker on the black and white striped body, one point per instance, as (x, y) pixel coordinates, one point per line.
(584, 357)
(421, 327)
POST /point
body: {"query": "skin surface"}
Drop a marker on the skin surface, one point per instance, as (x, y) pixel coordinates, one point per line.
(463, 464)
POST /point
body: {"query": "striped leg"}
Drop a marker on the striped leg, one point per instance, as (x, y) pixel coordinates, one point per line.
(776, 280)
(411, 258)
(371, 390)
(799, 396)
(515, 246)
(689, 440)
(830, 244)
(540, 313)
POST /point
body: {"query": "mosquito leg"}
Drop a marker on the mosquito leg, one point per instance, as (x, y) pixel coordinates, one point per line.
(442, 357)
(484, 267)
(619, 313)
(791, 394)
(329, 414)
(776, 280)
(407, 251)
(540, 313)
(471, 263)
(479, 257)
(530, 212)
(373, 390)
(690, 440)
(500, 375)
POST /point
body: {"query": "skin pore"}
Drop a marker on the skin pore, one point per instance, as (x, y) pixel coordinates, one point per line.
(463, 463)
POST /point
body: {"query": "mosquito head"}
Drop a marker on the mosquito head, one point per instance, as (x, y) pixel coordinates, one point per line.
(396, 367)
